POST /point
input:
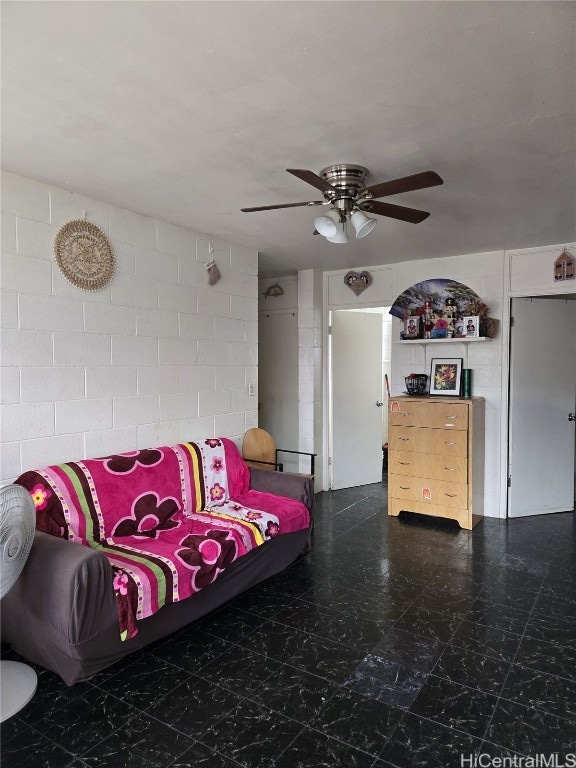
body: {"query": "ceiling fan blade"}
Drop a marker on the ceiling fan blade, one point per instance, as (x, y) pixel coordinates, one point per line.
(411, 215)
(311, 178)
(405, 184)
(283, 205)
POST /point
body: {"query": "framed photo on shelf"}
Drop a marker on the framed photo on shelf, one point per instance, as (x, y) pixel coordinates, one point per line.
(411, 327)
(472, 325)
(445, 376)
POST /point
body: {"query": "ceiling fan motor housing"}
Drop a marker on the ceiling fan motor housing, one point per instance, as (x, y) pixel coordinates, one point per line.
(347, 181)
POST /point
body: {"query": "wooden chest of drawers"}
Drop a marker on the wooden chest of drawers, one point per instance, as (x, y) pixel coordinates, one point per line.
(436, 457)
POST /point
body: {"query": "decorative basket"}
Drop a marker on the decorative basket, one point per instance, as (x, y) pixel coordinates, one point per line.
(416, 384)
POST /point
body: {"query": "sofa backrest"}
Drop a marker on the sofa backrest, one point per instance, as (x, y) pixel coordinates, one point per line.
(134, 493)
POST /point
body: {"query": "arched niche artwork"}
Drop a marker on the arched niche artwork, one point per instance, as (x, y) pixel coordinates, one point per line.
(436, 291)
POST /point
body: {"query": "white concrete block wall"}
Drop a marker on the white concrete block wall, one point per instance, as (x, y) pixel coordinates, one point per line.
(157, 356)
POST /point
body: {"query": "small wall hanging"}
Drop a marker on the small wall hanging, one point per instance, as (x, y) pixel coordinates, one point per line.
(564, 267)
(358, 281)
(213, 272)
(273, 290)
(84, 254)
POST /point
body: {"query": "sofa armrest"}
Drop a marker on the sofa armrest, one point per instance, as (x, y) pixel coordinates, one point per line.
(64, 587)
(293, 486)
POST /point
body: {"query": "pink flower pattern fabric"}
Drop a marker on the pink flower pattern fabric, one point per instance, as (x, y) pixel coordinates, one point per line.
(40, 493)
(267, 523)
(169, 520)
(149, 517)
(214, 464)
(207, 556)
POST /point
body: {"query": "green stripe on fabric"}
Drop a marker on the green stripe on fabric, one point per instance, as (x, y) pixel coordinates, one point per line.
(83, 501)
(144, 560)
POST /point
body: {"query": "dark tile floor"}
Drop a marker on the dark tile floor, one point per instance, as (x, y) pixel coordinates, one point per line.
(395, 642)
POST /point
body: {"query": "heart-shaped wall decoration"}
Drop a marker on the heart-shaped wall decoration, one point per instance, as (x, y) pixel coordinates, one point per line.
(358, 281)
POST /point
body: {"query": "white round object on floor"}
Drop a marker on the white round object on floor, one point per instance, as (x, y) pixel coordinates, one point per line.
(18, 684)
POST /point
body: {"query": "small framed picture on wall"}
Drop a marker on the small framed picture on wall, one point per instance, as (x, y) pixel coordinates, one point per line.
(471, 325)
(445, 376)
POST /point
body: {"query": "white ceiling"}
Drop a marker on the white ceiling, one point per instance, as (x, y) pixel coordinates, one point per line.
(188, 111)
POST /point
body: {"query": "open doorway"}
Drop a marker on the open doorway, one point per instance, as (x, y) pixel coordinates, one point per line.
(542, 403)
(359, 354)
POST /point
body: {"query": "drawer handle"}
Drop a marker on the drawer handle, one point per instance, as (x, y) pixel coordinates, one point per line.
(404, 463)
(451, 417)
(449, 442)
(405, 487)
(404, 439)
(450, 469)
(451, 495)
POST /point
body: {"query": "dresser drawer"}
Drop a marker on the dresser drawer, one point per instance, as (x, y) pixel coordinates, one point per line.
(426, 490)
(444, 441)
(454, 469)
(419, 413)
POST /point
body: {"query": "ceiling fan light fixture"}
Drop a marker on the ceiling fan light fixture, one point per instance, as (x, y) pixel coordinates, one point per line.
(341, 235)
(327, 224)
(362, 224)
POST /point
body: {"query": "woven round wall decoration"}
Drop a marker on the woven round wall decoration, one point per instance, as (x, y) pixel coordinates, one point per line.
(84, 255)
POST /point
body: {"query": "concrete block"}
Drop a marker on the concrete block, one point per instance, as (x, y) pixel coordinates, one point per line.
(158, 380)
(193, 326)
(24, 420)
(9, 385)
(107, 442)
(157, 323)
(50, 313)
(83, 415)
(110, 318)
(213, 352)
(26, 347)
(50, 384)
(79, 349)
(43, 452)
(111, 381)
(130, 411)
(134, 351)
(177, 352)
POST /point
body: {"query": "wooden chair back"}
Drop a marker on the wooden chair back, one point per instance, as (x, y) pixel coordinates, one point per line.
(259, 449)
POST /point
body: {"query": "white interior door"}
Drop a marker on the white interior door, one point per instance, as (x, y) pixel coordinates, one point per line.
(356, 379)
(542, 395)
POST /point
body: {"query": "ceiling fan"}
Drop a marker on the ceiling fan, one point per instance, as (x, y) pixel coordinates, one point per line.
(343, 188)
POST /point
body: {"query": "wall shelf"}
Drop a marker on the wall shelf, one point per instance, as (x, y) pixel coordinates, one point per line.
(461, 340)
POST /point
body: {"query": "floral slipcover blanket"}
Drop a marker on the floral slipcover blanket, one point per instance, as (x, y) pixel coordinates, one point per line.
(168, 519)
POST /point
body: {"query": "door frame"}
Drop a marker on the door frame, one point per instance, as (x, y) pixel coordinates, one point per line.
(327, 307)
(509, 294)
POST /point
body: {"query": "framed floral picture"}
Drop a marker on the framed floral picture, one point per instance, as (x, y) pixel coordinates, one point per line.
(445, 376)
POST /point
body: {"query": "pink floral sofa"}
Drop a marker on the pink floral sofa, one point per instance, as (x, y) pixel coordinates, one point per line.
(133, 546)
